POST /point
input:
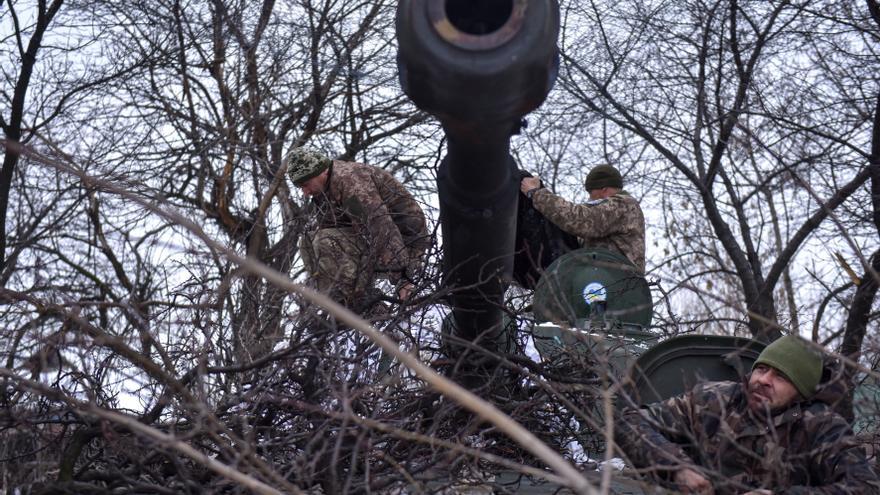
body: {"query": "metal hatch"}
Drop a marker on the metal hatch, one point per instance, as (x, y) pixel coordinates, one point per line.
(677, 364)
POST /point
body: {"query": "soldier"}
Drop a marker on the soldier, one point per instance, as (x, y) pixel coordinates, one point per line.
(611, 219)
(368, 226)
(772, 433)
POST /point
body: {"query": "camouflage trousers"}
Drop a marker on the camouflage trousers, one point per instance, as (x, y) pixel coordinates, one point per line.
(341, 264)
(338, 262)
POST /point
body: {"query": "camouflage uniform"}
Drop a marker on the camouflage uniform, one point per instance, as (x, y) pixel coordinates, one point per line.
(616, 223)
(806, 448)
(368, 226)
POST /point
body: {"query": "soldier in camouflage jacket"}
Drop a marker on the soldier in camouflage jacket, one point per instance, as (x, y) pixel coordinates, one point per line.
(367, 225)
(753, 437)
(611, 219)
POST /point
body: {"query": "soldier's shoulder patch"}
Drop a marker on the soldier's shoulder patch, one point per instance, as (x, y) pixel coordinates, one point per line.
(594, 202)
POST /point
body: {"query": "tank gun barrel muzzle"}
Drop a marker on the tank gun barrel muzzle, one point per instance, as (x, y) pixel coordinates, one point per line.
(474, 62)
(478, 66)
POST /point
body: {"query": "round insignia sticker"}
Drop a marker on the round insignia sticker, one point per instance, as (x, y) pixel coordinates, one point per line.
(594, 292)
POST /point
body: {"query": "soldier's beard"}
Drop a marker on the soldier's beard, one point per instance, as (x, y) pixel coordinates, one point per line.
(760, 398)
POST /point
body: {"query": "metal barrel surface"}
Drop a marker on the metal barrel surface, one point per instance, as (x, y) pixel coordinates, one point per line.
(478, 66)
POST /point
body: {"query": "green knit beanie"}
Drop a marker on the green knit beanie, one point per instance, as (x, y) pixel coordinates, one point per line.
(795, 358)
(603, 176)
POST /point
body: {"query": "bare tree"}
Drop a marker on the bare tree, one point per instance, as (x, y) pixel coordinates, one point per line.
(253, 82)
(860, 316)
(154, 340)
(722, 95)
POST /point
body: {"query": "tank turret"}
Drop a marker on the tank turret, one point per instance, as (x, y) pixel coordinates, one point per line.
(592, 304)
(593, 285)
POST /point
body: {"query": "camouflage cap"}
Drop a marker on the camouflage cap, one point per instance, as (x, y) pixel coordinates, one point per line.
(305, 163)
(603, 176)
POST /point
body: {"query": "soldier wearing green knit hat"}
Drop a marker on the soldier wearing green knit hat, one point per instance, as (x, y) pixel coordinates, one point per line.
(769, 433)
(786, 369)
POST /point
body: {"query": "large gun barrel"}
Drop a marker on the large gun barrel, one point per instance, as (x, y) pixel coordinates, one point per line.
(478, 66)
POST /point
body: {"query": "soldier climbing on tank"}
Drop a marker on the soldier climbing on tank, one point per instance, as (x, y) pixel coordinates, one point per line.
(367, 226)
(611, 219)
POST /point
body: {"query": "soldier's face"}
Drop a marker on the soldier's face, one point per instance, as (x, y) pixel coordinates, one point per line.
(315, 185)
(768, 388)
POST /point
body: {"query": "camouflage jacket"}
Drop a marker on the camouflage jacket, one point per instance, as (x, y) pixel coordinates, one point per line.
(369, 200)
(616, 223)
(807, 448)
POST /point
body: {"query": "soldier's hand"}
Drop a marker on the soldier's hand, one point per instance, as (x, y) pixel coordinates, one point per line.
(529, 183)
(691, 481)
(405, 291)
(759, 492)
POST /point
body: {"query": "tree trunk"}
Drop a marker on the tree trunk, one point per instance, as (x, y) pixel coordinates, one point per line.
(12, 129)
(857, 320)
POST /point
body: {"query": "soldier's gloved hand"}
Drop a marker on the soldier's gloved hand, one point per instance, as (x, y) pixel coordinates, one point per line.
(691, 481)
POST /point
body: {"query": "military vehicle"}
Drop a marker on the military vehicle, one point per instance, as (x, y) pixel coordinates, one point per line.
(479, 66)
